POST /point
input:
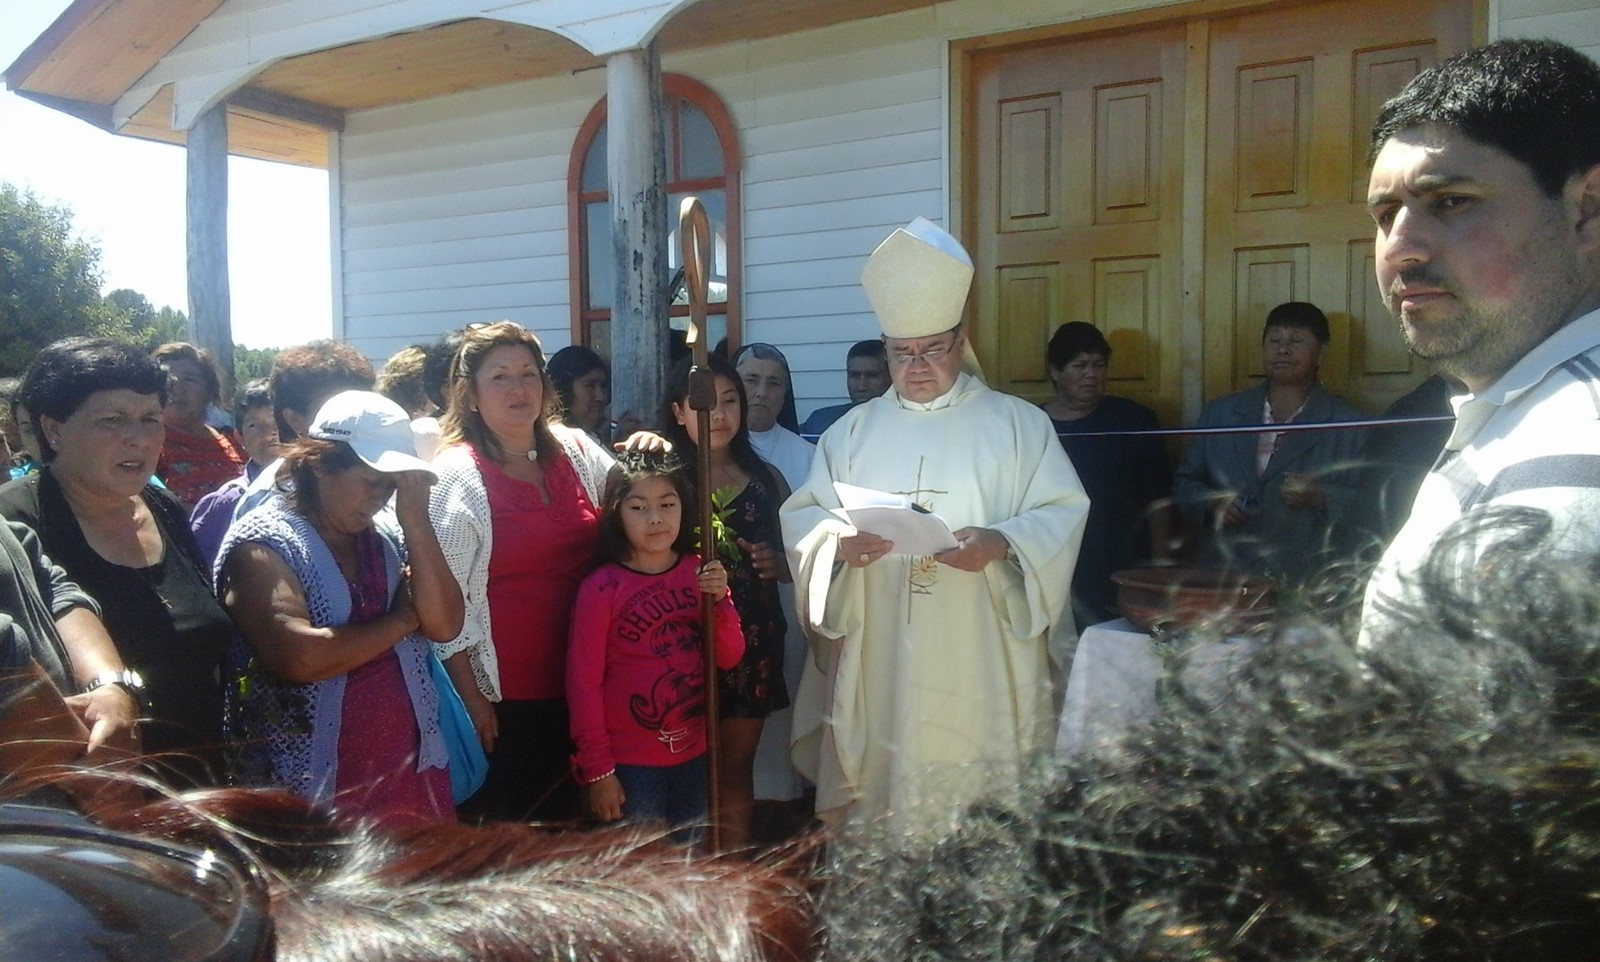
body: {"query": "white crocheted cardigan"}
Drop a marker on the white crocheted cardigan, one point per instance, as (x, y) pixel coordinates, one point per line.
(459, 505)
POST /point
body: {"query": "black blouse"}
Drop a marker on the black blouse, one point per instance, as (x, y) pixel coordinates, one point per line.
(1123, 477)
(165, 621)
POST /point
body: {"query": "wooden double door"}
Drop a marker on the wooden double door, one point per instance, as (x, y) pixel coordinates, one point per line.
(1171, 183)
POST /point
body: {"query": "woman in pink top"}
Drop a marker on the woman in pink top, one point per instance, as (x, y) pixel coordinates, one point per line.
(515, 513)
(635, 671)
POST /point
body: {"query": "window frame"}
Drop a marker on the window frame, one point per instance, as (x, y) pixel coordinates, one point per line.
(673, 87)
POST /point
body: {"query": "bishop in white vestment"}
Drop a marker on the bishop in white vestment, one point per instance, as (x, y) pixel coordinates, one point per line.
(931, 680)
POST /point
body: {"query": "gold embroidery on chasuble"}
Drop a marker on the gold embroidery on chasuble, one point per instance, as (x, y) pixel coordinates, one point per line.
(923, 573)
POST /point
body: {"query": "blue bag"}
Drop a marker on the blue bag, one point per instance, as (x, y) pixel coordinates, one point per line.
(469, 766)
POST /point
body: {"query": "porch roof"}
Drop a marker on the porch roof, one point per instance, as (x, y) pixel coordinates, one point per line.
(94, 59)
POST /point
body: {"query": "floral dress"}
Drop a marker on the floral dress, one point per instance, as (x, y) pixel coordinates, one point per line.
(754, 688)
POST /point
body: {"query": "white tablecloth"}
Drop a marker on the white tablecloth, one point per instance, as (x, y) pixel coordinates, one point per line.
(1111, 686)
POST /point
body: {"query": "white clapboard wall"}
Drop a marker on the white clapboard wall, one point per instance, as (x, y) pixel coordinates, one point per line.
(453, 210)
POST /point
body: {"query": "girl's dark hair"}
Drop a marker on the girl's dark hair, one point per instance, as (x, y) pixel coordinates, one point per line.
(461, 423)
(631, 468)
(336, 887)
(298, 479)
(569, 364)
(740, 449)
(64, 374)
(787, 417)
(503, 890)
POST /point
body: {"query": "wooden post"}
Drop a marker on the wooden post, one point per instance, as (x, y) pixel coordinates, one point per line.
(206, 206)
(694, 240)
(636, 177)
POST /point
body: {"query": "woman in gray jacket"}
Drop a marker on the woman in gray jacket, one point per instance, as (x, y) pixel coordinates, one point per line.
(1265, 501)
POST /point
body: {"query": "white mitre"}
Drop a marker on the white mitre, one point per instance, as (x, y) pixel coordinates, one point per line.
(917, 283)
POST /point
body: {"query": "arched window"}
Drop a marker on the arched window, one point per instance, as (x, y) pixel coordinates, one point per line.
(703, 160)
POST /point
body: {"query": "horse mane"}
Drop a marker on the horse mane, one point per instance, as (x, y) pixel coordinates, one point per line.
(342, 889)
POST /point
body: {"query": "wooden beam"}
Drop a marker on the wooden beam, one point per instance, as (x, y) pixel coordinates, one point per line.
(210, 325)
(99, 115)
(289, 108)
(44, 46)
(96, 49)
(275, 139)
(250, 134)
(636, 173)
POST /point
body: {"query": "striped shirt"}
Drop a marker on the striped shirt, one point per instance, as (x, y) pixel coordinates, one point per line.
(1531, 439)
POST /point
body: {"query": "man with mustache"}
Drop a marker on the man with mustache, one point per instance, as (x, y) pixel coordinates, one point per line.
(1485, 189)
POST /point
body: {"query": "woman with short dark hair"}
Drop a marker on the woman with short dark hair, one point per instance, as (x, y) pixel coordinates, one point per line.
(98, 412)
(582, 380)
(1266, 502)
(196, 458)
(1124, 476)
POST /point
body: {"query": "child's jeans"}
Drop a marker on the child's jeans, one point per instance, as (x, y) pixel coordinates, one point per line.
(672, 794)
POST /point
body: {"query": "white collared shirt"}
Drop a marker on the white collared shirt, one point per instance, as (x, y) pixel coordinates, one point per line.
(1530, 439)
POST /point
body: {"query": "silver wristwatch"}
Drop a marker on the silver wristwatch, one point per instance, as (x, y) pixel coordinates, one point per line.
(127, 679)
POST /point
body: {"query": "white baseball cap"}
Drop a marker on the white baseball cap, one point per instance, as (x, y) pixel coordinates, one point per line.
(376, 428)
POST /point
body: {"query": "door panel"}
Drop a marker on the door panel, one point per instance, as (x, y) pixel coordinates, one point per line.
(1076, 207)
(1078, 194)
(1292, 97)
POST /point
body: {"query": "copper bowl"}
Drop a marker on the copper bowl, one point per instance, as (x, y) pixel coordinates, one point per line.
(1178, 598)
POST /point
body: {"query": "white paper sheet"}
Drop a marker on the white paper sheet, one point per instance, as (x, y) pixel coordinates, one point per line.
(894, 517)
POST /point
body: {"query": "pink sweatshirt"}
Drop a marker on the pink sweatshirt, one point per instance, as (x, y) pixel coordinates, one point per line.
(635, 685)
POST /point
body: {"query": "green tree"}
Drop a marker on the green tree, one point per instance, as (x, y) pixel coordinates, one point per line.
(147, 326)
(250, 363)
(151, 328)
(169, 324)
(49, 280)
(134, 306)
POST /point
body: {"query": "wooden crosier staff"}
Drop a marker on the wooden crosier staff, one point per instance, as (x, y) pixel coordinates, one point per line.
(694, 241)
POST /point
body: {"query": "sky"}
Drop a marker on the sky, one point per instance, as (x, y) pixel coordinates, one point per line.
(126, 196)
